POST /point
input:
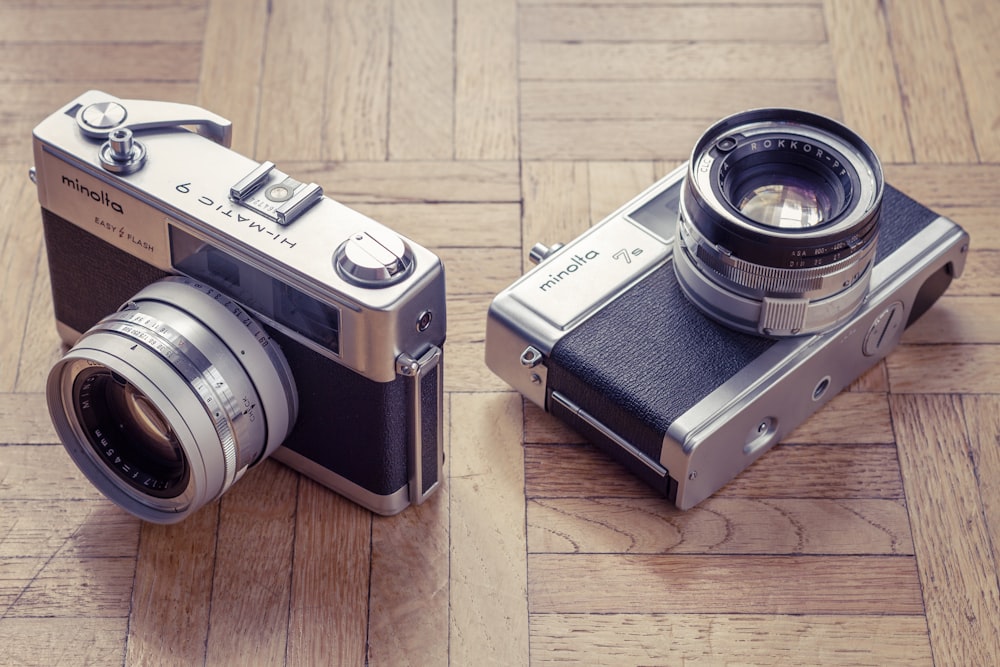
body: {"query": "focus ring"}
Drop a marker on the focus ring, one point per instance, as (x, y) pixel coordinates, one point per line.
(757, 280)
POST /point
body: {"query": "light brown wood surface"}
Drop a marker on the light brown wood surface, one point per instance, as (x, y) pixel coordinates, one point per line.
(478, 127)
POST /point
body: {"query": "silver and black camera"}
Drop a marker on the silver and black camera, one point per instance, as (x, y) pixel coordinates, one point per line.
(703, 321)
(260, 318)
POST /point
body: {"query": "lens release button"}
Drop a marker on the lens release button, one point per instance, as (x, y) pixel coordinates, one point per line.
(373, 259)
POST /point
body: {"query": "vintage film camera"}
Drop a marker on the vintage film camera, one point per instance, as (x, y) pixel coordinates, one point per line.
(699, 324)
(260, 318)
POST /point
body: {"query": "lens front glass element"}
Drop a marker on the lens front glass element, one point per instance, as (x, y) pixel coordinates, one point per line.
(129, 434)
(785, 199)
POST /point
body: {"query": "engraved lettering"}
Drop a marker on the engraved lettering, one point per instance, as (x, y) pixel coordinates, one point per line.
(101, 222)
(577, 261)
(99, 196)
(145, 245)
(230, 213)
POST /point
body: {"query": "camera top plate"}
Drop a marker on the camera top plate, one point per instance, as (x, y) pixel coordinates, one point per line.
(276, 225)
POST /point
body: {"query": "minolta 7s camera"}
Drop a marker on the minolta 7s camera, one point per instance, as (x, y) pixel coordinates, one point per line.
(703, 321)
(260, 318)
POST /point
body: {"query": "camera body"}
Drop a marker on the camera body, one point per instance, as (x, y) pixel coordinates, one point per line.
(602, 335)
(135, 191)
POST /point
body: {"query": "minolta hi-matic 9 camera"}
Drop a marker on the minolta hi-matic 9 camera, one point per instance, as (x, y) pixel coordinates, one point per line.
(703, 321)
(260, 318)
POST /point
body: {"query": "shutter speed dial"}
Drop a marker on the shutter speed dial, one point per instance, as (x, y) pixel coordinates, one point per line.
(373, 259)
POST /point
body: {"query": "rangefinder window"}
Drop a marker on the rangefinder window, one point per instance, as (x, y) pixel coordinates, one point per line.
(659, 214)
(318, 322)
(255, 289)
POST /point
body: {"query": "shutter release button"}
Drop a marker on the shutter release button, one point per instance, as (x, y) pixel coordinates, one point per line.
(373, 259)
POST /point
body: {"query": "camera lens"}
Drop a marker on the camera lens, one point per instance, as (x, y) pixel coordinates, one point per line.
(167, 402)
(778, 222)
(120, 419)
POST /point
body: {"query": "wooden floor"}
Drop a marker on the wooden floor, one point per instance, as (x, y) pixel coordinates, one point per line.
(479, 127)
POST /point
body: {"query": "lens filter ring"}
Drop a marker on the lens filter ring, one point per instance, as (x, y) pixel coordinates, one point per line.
(167, 402)
(782, 151)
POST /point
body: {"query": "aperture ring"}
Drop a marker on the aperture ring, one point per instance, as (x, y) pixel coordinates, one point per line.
(757, 281)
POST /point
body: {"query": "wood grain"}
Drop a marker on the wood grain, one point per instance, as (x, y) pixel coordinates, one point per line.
(612, 184)
(641, 100)
(410, 585)
(62, 641)
(787, 471)
(20, 250)
(421, 115)
(478, 128)
(922, 369)
(665, 61)
(724, 585)
(672, 639)
(489, 614)
(556, 202)
(486, 80)
(977, 55)
(931, 88)
(958, 570)
(231, 67)
(330, 579)
(722, 525)
(172, 591)
(251, 596)
(867, 84)
(67, 62)
(627, 23)
(101, 24)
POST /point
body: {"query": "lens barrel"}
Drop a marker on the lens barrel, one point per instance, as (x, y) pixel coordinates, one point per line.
(166, 403)
(779, 219)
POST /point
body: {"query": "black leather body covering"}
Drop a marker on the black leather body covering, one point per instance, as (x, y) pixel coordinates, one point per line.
(649, 355)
